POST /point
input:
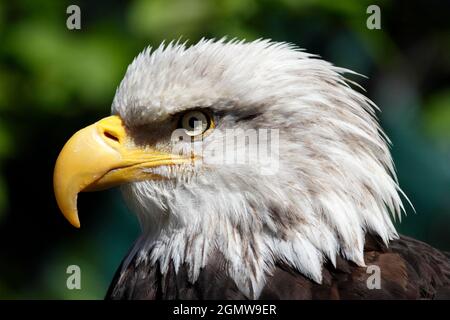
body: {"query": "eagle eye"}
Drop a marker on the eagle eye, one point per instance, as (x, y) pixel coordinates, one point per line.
(195, 122)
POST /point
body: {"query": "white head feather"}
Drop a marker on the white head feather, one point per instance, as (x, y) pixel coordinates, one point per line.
(335, 178)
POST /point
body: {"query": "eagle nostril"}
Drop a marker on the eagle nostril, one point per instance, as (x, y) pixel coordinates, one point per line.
(111, 136)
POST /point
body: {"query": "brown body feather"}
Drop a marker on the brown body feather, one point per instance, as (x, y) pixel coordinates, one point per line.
(410, 269)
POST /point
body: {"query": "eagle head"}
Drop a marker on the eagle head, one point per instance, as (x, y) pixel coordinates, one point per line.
(256, 152)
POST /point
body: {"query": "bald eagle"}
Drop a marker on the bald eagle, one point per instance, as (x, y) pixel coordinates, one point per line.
(256, 171)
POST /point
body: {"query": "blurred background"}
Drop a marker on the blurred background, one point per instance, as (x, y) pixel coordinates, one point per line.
(54, 81)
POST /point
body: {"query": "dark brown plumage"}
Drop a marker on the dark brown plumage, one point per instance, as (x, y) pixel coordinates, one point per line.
(410, 269)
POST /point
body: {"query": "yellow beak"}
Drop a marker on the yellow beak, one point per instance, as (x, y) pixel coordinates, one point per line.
(101, 156)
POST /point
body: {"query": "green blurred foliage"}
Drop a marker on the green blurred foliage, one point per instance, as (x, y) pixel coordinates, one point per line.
(54, 81)
(437, 117)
